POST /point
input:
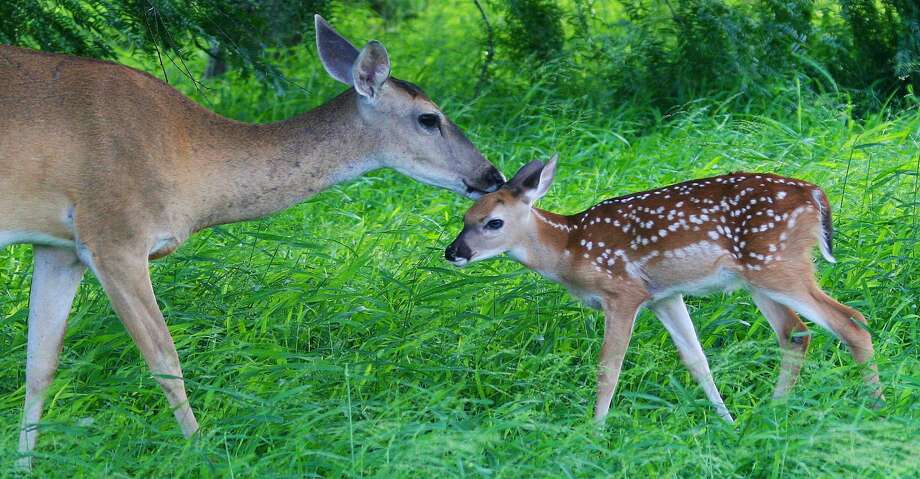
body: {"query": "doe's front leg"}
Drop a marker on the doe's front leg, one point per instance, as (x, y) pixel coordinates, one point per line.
(619, 317)
(125, 277)
(55, 279)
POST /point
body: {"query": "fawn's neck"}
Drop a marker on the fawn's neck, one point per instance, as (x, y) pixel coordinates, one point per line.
(543, 247)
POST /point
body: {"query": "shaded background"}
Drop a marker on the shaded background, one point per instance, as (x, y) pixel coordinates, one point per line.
(657, 54)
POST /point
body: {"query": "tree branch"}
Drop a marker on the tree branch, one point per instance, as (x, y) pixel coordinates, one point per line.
(490, 50)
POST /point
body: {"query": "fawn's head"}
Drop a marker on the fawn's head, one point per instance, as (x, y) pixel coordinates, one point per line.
(412, 135)
(501, 220)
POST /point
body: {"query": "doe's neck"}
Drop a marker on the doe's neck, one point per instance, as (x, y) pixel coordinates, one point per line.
(255, 170)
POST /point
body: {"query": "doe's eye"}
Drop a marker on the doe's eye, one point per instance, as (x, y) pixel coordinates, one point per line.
(494, 224)
(428, 120)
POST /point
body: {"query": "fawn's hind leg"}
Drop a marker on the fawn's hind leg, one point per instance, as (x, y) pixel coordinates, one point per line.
(792, 336)
(845, 322)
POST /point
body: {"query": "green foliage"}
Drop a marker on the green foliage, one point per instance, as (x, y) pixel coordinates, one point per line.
(871, 48)
(394, 11)
(668, 53)
(67, 26)
(170, 30)
(907, 55)
(783, 30)
(661, 54)
(703, 48)
(533, 29)
(873, 37)
(332, 340)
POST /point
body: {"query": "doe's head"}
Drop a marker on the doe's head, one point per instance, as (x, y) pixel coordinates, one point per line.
(412, 134)
(501, 220)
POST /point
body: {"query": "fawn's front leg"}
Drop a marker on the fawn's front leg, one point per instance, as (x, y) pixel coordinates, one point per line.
(619, 317)
(673, 314)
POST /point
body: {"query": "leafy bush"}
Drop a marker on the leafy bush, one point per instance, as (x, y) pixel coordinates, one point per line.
(242, 32)
(533, 28)
(667, 53)
(881, 45)
(657, 53)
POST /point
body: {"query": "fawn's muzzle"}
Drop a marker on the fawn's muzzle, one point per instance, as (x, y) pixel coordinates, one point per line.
(458, 252)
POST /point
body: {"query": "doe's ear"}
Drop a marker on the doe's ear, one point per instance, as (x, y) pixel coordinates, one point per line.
(336, 53)
(371, 69)
(533, 180)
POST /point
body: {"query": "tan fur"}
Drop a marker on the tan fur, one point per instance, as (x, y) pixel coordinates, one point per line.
(135, 158)
(113, 167)
(748, 230)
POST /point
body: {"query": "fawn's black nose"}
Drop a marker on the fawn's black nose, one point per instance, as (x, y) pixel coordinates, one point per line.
(457, 251)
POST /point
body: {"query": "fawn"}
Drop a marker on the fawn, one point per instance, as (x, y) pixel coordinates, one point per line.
(751, 230)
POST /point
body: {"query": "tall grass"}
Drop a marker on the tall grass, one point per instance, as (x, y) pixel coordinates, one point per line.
(332, 339)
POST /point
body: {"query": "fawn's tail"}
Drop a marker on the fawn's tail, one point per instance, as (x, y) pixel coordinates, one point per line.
(826, 239)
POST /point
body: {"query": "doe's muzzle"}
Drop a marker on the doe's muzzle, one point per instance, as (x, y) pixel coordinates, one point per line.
(490, 180)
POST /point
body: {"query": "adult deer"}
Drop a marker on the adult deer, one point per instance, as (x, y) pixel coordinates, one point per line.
(106, 167)
(748, 230)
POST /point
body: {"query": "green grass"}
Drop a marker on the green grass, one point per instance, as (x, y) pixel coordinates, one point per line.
(333, 340)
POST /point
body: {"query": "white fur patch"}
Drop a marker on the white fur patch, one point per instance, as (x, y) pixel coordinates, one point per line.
(33, 237)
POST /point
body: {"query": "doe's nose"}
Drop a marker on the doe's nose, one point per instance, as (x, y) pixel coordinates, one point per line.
(493, 179)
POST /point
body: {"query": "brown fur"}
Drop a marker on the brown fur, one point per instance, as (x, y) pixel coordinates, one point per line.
(123, 147)
(743, 229)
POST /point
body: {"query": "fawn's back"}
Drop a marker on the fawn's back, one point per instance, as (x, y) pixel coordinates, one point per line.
(702, 234)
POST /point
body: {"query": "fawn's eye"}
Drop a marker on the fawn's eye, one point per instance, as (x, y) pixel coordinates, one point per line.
(428, 120)
(494, 224)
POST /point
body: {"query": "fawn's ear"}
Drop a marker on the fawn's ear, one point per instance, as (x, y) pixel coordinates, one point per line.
(336, 53)
(533, 180)
(371, 69)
